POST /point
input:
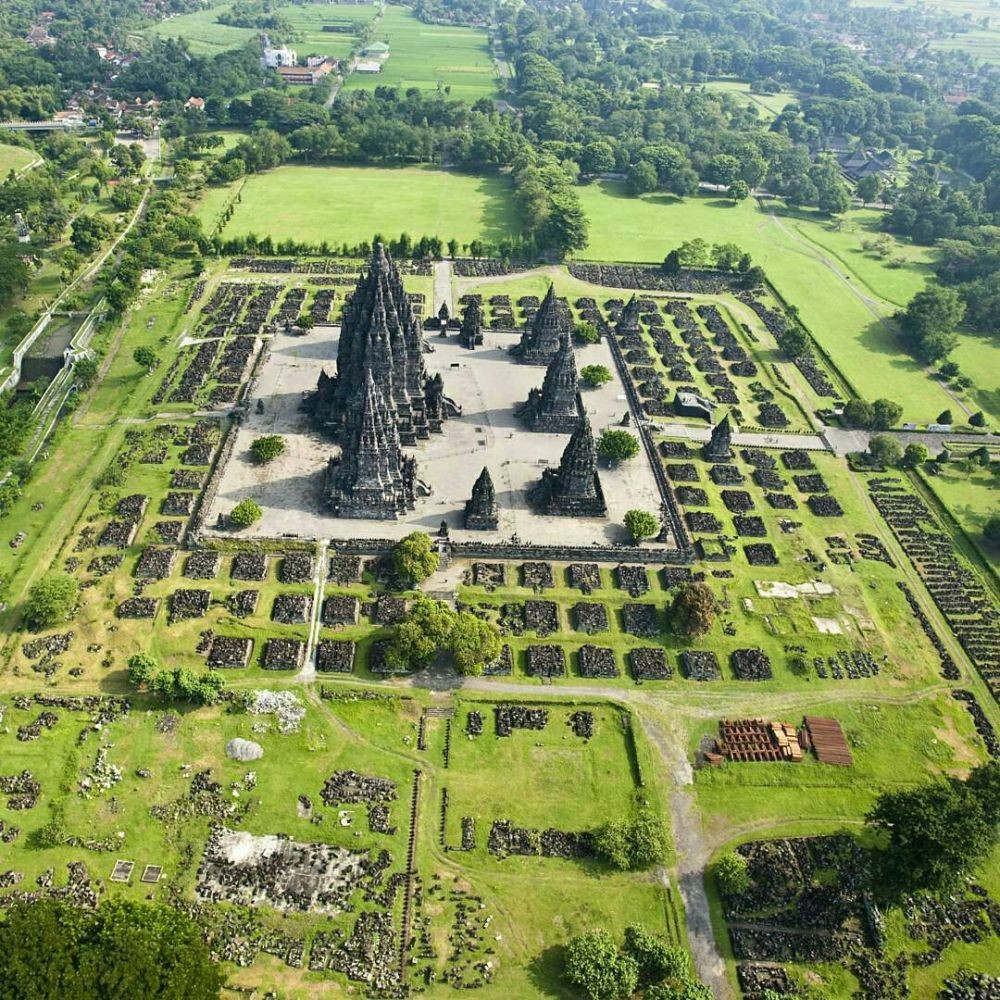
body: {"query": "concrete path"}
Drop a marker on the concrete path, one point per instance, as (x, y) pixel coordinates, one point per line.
(442, 289)
(748, 439)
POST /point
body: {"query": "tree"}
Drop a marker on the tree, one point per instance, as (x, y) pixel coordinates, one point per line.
(654, 958)
(51, 949)
(869, 188)
(929, 321)
(146, 357)
(914, 455)
(245, 513)
(859, 413)
(413, 557)
(85, 371)
(640, 524)
(945, 417)
(641, 178)
(682, 991)
(267, 448)
(474, 642)
(51, 600)
(692, 610)
(617, 445)
(794, 342)
(426, 629)
(991, 530)
(938, 833)
(672, 262)
(977, 419)
(885, 450)
(598, 157)
(304, 322)
(586, 333)
(88, 232)
(633, 844)
(141, 668)
(596, 966)
(596, 375)
(885, 414)
(731, 874)
(739, 190)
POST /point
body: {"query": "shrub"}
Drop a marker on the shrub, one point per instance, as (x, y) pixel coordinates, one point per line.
(641, 524)
(693, 610)
(141, 668)
(885, 450)
(631, 845)
(50, 601)
(245, 513)
(586, 333)
(732, 874)
(267, 448)
(595, 375)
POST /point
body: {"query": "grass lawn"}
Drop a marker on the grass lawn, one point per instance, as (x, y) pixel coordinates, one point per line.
(851, 325)
(202, 31)
(308, 20)
(14, 158)
(431, 56)
(352, 203)
(971, 499)
(769, 105)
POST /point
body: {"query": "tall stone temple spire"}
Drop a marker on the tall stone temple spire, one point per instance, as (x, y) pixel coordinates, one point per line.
(471, 333)
(628, 319)
(372, 478)
(719, 448)
(540, 341)
(380, 334)
(574, 489)
(555, 408)
(481, 513)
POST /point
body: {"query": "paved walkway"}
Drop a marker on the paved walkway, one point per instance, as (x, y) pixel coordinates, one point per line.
(442, 289)
(749, 439)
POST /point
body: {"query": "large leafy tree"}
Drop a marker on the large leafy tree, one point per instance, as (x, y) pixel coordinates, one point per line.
(51, 950)
(413, 557)
(693, 609)
(595, 965)
(51, 601)
(938, 833)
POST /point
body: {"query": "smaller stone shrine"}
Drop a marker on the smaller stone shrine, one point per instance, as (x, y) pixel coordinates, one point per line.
(481, 512)
(628, 320)
(539, 343)
(574, 489)
(719, 448)
(471, 333)
(556, 408)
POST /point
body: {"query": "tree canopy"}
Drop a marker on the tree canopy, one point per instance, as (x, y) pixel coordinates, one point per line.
(51, 601)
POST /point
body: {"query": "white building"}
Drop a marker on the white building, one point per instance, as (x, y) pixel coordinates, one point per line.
(273, 58)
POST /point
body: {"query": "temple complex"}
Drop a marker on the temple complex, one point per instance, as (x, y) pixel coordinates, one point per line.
(556, 408)
(380, 335)
(371, 478)
(540, 341)
(471, 333)
(574, 489)
(719, 448)
(481, 512)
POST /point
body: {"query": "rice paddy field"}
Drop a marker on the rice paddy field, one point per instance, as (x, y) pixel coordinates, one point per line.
(207, 36)
(431, 57)
(336, 204)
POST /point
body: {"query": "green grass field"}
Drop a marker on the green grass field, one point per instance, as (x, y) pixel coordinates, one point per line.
(352, 203)
(979, 42)
(845, 296)
(310, 38)
(431, 56)
(202, 31)
(14, 158)
(971, 498)
(769, 105)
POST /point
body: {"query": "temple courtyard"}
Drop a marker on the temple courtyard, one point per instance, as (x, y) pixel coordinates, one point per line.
(488, 384)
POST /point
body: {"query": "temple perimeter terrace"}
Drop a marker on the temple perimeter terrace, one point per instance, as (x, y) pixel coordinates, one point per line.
(487, 383)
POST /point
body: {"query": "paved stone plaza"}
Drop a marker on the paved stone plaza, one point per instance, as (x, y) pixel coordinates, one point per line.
(488, 384)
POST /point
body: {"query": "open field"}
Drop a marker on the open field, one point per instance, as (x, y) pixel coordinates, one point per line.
(202, 32)
(454, 59)
(14, 158)
(335, 204)
(981, 42)
(971, 498)
(307, 22)
(768, 105)
(844, 296)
